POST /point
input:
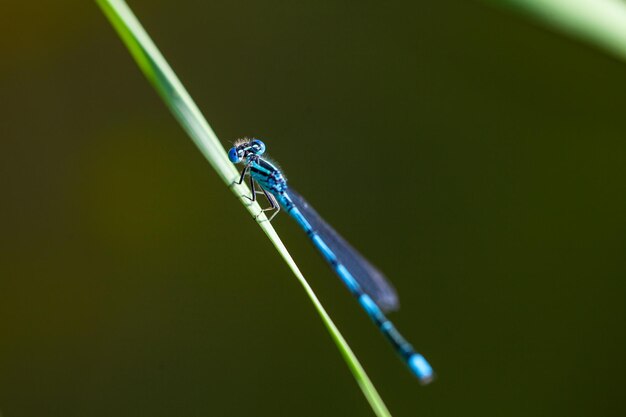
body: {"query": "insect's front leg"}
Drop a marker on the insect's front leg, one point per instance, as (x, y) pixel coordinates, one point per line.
(253, 198)
(243, 175)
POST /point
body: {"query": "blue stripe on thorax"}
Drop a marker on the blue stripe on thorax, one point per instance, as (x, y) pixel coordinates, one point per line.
(268, 176)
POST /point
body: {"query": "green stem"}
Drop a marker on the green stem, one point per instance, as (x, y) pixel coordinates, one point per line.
(189, 116)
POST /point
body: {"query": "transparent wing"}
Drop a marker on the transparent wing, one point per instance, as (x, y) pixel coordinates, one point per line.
(371, 280)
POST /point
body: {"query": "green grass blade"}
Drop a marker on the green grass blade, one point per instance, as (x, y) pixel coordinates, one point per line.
(187, 113)
(599, 22)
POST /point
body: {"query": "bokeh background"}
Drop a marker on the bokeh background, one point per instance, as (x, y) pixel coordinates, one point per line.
(477, 157)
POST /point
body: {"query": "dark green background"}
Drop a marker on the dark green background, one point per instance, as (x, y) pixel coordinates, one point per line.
(476, 157)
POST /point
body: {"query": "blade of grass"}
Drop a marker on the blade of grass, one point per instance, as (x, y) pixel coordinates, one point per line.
(162, 77)
(599, 22)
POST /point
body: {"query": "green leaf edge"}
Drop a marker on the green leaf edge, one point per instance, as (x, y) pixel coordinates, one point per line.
(164, 80)
(598, 22)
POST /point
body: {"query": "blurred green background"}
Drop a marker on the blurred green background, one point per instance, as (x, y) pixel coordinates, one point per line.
(490, 152)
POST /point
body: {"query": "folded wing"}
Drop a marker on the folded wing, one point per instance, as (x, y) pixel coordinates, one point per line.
(371, 280)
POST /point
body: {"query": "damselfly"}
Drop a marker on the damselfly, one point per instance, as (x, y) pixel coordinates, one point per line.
(372, 290)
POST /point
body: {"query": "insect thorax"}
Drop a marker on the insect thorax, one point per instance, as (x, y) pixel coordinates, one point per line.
(268, 176)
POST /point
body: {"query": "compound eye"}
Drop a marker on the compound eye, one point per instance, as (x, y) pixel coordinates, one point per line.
(233, 155)
(259, 147)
